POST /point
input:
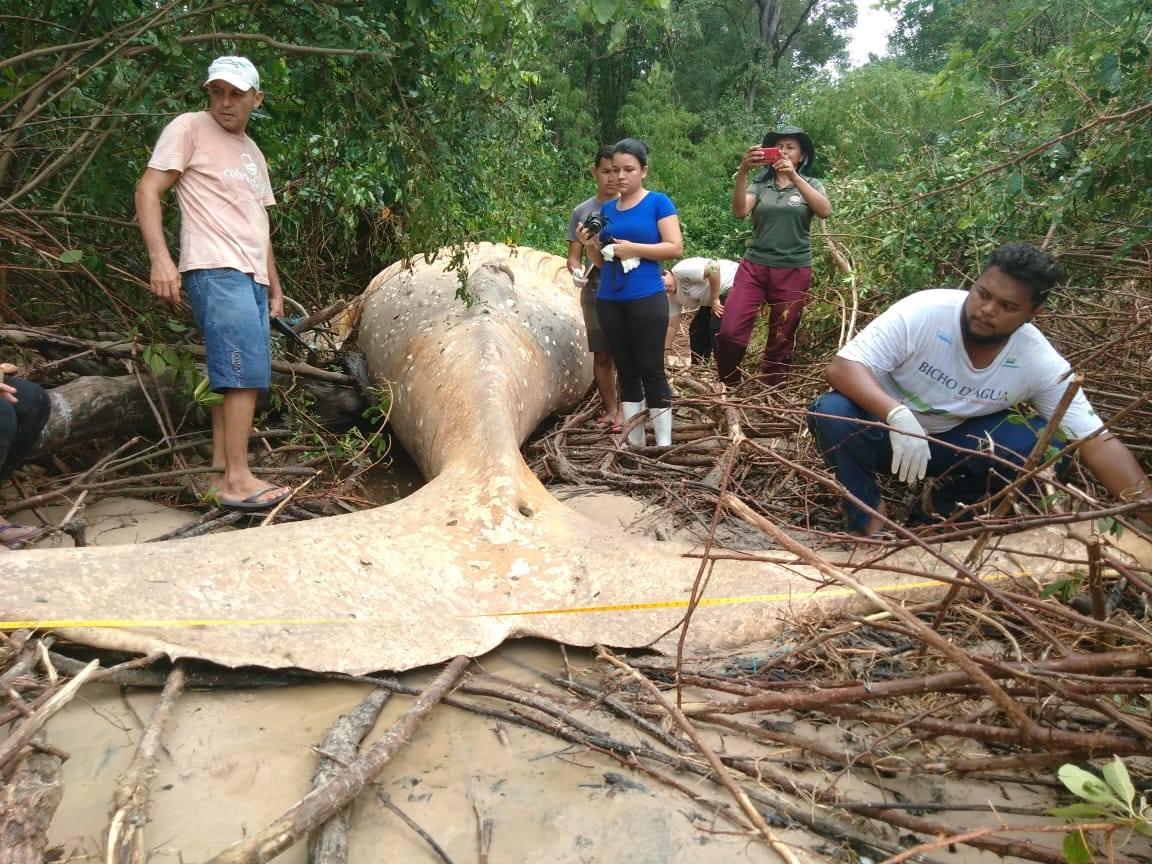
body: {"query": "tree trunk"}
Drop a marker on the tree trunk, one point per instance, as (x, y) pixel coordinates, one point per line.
(94, 407)
(769, 25)
(27, 803)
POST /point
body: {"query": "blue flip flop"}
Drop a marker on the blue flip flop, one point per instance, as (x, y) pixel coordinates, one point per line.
(252, 502)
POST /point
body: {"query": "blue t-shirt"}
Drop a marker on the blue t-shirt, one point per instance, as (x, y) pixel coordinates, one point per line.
(638, 224)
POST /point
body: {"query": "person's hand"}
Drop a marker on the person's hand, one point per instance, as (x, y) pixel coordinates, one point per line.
(165, 280)
(579, 279)
(624, 249)
(587, 238)
(276, 306)
(910, 454)
(7, 391)
(753, 159)
(784, 166)
(718, 309)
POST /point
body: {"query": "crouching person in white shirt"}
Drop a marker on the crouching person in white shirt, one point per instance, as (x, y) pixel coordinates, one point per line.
(943, 369)
(701, 284)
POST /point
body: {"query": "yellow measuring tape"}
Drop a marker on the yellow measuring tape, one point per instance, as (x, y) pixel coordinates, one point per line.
(174, 623)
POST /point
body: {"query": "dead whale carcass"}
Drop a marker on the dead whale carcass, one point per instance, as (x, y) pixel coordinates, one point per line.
(480, 554)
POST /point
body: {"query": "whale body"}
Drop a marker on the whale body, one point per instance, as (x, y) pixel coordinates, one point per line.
(481, 553)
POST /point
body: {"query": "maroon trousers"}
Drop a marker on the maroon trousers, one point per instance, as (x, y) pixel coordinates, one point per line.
(785, 290)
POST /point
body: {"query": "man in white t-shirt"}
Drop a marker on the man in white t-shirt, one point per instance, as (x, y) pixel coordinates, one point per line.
(702, 284)
(943, 369)
(226, 268)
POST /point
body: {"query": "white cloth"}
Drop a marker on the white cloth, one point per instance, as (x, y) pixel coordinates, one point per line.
(692, 285)
(915, 350)
(626, 264)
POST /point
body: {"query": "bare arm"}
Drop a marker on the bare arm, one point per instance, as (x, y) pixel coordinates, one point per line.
(742, 202)
(164, 279)
(671, 243)
(275, 292)
(575, 256)
(712, 274)
(1116, 468)
(859, 383)
(816, 200)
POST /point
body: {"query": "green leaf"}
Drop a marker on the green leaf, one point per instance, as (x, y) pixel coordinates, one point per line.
(1116, 774)
(1080, 811)
(1086, 785)
(71, 256)
(604, 10)
(1076, 849)
(618, 34)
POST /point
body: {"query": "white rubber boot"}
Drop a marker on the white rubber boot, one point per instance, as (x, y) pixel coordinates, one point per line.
(631, 409)
(662, 426)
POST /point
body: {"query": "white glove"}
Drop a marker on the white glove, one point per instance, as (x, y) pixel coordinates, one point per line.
(579, 278)
(909, 455)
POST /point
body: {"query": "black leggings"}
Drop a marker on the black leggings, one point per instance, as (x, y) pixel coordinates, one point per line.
(20, 423)
(635, 331)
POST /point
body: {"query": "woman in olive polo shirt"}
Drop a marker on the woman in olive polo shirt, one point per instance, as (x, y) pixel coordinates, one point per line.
(777, 265)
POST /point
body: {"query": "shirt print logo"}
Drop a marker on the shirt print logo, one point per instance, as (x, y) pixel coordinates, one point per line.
(944, 337)
(1011, 363)
(249, 174)
(795, 201)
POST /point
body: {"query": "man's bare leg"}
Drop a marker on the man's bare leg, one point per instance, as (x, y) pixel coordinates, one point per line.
(234, 429)
(218, 437)
(604, 371)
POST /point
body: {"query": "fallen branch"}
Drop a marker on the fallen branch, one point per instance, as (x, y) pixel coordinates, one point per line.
(12, 746)
(320, 805)
(329, 844)
(132, 798)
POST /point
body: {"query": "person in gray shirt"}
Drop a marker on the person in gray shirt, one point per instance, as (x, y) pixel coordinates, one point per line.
(586, 275)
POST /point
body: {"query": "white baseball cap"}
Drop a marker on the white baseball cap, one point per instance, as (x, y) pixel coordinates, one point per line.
(237, 71)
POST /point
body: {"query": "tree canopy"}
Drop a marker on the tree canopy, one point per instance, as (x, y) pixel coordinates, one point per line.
(395, 128)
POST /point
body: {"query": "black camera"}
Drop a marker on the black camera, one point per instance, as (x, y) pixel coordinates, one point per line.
(594, 223)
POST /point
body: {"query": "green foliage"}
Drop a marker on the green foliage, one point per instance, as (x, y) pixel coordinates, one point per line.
(1066, 589)
(205, 396)
(1108, 798)
(399, 128)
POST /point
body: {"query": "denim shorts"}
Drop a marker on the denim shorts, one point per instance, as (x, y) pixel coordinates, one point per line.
(231, 310)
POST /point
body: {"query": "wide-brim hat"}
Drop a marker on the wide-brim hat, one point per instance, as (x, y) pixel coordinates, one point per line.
(796, 132)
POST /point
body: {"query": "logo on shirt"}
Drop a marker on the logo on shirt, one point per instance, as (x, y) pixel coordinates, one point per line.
(1011, 363)
(944, 337)
(965, 391)
(795, 201)
(249, 174)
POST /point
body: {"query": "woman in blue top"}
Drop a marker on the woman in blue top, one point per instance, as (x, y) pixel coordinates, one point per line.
(642, 230)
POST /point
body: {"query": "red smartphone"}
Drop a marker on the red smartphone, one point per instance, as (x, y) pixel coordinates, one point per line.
(771, 154)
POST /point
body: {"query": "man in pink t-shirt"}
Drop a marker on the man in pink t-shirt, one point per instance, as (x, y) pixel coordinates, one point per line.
(226, 267)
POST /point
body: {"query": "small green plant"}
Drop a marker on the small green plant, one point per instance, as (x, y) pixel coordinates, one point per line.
(1065, 589)
(205, 396)
(1111, 798)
